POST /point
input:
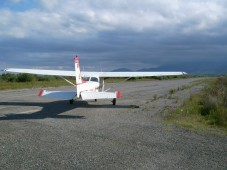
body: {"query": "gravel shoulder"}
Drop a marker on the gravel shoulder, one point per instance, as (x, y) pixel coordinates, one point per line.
(38, 133)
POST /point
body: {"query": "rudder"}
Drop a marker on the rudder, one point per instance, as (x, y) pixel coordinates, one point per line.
(77, 69)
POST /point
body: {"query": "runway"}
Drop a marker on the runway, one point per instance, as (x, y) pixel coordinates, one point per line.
(38, 133)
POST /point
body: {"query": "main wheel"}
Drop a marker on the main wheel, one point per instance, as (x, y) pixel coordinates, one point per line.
(114, 102)
(71, 101)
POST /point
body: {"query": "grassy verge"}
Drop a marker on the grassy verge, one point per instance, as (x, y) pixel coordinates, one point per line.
(20, 81)
(34, 84)
(206, 111)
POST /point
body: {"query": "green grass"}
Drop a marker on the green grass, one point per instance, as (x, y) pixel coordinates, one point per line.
(206, 111)
(34, 84)
(20, 81)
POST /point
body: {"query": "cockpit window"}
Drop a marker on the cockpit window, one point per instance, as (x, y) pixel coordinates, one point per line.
(94, 79)
(86, 78)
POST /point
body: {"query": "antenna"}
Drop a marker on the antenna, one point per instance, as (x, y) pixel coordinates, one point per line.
(100, 67)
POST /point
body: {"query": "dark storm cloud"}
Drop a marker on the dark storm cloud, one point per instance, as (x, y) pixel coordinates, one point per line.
(113, 34)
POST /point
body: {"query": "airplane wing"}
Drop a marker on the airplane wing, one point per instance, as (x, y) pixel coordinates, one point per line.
(41, 72)
(92, 74)
(130, 74)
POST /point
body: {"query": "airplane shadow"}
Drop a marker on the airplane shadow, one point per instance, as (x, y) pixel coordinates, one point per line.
(53, 109)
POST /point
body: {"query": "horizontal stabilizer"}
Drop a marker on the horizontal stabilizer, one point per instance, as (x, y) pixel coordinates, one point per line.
(100, 95)
(65, 95)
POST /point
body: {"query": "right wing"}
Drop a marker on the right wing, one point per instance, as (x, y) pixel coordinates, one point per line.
(130, 74)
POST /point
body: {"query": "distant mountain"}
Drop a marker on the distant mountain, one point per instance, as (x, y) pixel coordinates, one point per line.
(194, 68)
(203, 67)
(122, 70)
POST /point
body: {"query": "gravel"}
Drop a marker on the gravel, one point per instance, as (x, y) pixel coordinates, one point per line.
(37, 133)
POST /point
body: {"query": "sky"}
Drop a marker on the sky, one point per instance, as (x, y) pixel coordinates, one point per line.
(108, 35)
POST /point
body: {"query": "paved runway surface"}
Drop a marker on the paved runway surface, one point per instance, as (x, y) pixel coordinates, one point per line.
(37, 133)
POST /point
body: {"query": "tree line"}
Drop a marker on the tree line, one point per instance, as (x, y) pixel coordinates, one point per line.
(24, 77)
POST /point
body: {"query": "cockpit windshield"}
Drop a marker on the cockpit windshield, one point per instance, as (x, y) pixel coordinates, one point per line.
(86, 78)
(95, 79)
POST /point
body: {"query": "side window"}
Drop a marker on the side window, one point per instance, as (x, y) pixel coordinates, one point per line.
(94, 79)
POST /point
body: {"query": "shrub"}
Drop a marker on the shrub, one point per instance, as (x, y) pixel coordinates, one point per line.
(218, 116)
(25, 77)
(172, 91)
(214, 103)
(9, 77)
(45, 78)
(209, 103)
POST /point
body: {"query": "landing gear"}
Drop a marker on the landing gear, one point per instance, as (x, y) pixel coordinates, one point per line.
(114, 102)
(71, 101)
(95, 100)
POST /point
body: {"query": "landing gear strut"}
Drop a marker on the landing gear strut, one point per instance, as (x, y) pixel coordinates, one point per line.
(114, 102)
(71, 101)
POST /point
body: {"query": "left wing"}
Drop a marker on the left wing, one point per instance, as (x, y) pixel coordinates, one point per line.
(92, 74)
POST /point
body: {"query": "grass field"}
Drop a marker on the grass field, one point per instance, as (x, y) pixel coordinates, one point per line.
(19, 81)
(206, 111)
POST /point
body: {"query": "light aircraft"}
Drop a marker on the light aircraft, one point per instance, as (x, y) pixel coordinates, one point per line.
(89, 85)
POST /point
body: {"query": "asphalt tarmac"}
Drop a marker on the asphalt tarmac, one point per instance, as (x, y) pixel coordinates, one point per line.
(38, 133)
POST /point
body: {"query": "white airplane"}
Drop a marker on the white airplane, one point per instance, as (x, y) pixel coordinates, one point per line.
(89, 85)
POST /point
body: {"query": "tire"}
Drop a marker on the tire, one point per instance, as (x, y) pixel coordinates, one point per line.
(114, 102)
(71, 101)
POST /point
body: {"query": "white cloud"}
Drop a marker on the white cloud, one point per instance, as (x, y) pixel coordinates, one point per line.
(73, 17)
(49, 4)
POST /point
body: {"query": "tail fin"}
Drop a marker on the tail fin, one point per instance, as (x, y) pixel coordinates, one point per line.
(77, 69)
(79, 80)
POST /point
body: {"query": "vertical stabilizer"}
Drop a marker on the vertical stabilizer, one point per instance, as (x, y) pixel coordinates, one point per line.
(79, 80)
(77, 69)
